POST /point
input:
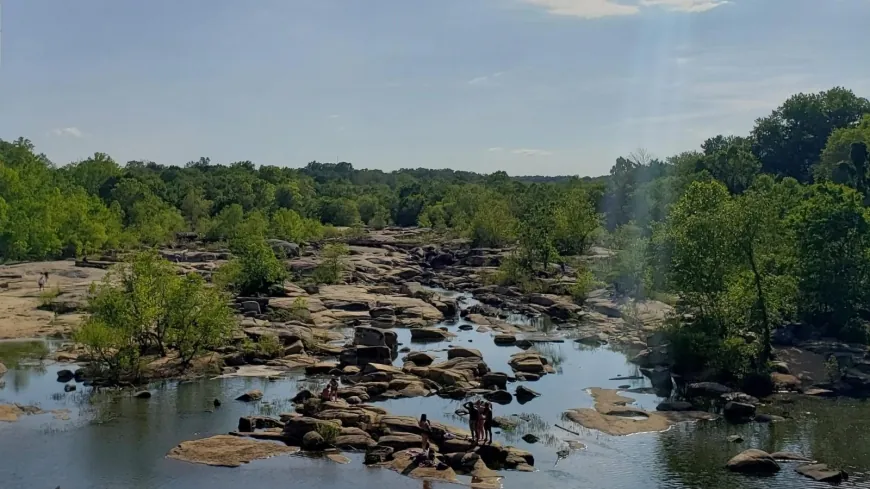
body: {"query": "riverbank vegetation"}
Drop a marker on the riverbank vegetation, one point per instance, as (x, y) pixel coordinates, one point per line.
(748, 232)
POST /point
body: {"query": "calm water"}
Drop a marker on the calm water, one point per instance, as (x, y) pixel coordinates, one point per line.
(113, 440)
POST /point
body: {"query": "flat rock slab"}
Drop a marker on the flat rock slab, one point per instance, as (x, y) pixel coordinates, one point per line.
(822, 473)
(227, 451)
(613, 417)
(11, 412)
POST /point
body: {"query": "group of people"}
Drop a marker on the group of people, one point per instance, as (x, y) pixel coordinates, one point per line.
(330, 392)
(479, 420)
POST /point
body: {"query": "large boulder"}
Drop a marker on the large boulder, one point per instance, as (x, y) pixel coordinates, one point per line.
(284, 249)
(462, 352)
(530, 362)
(652, 357)
(420, 358)
(361, 355)
(313, 441)
(401, 441)
(496, 380)
(739, 411)
(753, 461)
(296, 427)
(430, 334)
(369, 336)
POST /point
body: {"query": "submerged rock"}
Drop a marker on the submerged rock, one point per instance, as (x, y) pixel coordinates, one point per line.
(250, 396)
(822, 473)
(753, 461)
(142, 395)
(530, 438)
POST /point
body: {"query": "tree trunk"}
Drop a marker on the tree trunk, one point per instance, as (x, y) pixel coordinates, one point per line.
(764, 357)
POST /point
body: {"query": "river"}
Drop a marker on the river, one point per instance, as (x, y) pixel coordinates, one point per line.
(112, 440)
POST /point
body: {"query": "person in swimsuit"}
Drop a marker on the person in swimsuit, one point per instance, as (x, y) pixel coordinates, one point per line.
(473, 415)
(426, 431)
(487, 422)
(481, 410)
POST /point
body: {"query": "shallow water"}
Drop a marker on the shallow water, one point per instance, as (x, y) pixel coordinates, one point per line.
(113, 440)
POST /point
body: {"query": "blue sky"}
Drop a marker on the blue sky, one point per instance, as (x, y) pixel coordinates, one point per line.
(525, 86)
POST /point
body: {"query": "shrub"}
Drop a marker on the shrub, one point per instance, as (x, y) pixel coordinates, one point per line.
(328, 431)
(332, 264)
(269, 346)
(584, 282)
(254, 270)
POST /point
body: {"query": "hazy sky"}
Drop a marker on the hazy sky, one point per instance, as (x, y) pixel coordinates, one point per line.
(526, 86)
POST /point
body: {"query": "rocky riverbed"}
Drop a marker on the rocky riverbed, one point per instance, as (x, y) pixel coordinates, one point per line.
(417, 329)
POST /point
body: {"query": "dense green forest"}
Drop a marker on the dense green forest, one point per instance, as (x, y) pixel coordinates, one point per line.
(749, 232)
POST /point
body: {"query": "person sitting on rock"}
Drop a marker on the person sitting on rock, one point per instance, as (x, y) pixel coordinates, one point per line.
(326, 394)
(425, 431)
(472, 419)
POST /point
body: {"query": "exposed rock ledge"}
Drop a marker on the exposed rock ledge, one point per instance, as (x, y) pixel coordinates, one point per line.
(612, 416)
(227, 450)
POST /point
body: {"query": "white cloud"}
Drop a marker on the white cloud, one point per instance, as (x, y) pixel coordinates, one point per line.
(596, 9)
(496, 149)
(68, 131)
(531, 152)
(483, 80)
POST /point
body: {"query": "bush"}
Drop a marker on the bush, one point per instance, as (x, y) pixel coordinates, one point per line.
(328, 431)
(584, 282)
(254, 270)
(269, 346)
(332, 264)
(298, 311)
(142, 305)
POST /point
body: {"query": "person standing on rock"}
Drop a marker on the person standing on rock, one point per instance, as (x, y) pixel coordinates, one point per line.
(481, 417)
(473, 416)
(487, 423)
(43, 280)
(425, 431)
(333, 389)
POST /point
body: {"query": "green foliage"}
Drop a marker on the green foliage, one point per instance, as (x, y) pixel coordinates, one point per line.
(584, 282)
(289, 225)
(833, 369)
(332, 265)
(269, 346)
(576, 221)
(254, 270)
(143, 305)
(328, 431)
(831, 239)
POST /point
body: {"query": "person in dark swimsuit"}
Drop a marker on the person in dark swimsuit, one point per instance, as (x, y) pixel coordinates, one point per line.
(487, 422)
(473, 415)
(426, 431)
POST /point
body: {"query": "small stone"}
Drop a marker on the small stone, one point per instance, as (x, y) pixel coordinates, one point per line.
(142, 395)
(530, 438)
(69, 387)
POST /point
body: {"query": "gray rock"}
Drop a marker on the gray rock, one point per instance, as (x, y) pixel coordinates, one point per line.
(706, 389)
(313, 441)
(525, 394)
(251, 306)
(69, 387)
(252, 395)
(737, 411)
(499, 396)
(530, 438)
(142, 395)
(674, 406)
(65, 375)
